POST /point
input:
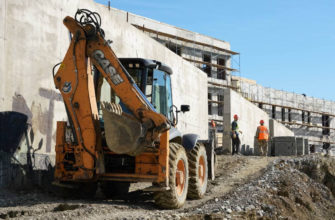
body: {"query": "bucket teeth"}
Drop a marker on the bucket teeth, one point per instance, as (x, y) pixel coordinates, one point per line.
(112, 107)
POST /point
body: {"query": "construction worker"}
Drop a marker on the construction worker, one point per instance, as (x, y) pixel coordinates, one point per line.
(262, 136)
(213, 124)
(235, 132)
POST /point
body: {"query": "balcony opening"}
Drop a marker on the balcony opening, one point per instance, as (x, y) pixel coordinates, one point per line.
(325, 123)
(207, 68)
(221, 72)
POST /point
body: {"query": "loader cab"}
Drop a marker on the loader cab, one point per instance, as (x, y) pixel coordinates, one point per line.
(154, 80)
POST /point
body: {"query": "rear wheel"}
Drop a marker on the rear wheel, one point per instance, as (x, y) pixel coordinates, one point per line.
(198, 169)
(175, 197)
(113, 188)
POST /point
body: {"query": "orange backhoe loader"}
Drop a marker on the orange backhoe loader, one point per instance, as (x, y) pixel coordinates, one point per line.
(131, 135)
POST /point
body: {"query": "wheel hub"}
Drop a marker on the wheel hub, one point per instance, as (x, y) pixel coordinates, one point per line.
(201, 170)
(180, 177)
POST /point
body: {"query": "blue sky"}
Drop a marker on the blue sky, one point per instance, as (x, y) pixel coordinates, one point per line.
(284, 44)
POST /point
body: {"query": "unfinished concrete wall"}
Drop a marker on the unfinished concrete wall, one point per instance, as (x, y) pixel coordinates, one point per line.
(33, 39)
(277, 129)
(249, 117)
(257, 92)
(33, 42)
(165, 28)
(2, 47)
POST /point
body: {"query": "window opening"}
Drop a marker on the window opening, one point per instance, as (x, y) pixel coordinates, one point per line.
(283, 114)
(221, 73)
(289, 115)
(274, 112)
(207, 68)
(325, 123)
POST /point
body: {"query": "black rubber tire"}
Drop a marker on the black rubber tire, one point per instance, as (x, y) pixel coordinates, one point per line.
(170, 199)
(197, 190)
(211, 158)
(112, 189)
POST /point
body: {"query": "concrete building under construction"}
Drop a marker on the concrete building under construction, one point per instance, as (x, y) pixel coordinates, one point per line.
(211, 55)
(307, 117)
(204, 77)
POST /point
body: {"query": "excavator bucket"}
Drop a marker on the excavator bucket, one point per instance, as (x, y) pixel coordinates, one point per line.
(123, 134)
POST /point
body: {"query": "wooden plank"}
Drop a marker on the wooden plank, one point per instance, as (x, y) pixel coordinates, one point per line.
(210, 64)
(294, 108)
(184, 39)
(222, 85)
(304, 124)
(319, 141)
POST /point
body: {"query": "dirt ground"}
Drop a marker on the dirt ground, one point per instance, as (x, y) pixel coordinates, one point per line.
(246, 187)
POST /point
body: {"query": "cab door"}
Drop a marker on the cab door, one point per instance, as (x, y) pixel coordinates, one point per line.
(161, 93)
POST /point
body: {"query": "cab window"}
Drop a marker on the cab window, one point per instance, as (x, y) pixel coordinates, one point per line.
(136, 74)
(161, 92)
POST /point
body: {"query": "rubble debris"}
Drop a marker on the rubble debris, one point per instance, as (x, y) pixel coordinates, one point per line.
(245, 188)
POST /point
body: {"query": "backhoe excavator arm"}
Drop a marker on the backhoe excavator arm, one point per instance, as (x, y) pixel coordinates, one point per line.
(75, 82)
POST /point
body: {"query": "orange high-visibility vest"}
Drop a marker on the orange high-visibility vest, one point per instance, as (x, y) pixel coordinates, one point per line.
(263, 133)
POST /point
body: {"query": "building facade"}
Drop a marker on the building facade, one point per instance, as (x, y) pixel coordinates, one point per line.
(307, 117)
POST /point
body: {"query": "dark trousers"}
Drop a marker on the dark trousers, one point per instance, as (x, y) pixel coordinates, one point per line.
(236, 145)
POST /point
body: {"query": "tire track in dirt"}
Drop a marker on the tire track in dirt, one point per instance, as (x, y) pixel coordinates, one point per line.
(232, 171)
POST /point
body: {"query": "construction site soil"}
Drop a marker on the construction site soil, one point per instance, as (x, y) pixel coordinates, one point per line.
(246, 187)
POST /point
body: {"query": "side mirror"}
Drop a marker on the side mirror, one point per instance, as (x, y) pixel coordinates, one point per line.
(185, 108)
(174, 112)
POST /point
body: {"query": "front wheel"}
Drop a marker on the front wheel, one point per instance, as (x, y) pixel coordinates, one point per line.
(198, 169)
(175, 197)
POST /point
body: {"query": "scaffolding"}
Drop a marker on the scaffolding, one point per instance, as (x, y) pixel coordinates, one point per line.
(211, 64)
(196, 52)
(257, 94)
(158, 33)
(299, 108)
(179, 44)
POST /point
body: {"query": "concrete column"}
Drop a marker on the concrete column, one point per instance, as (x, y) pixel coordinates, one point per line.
(3, 4)
(227, 115)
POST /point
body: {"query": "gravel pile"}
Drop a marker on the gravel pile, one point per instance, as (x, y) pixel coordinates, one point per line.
(288, 189)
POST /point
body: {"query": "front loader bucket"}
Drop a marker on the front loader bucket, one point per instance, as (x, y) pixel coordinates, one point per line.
(123, 134)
